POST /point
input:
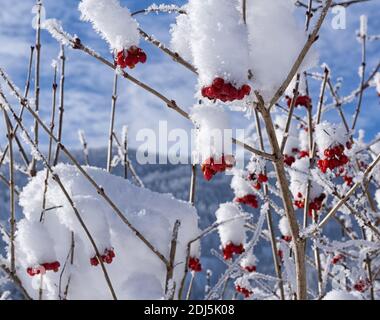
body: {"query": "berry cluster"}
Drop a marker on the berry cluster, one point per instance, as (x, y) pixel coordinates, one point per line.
(230, 249)
(195, 264)
(250, 268)
(289, 160)
(304, 101)
(249, 200)
(219, 89)
(244, 291)
(315, 204)
(286, 238)
(47, 266)
(348, 180)
(258, 180)
(107, 257)
(211, 167)
(303, 154)
(338, 258)
(333, 158)
(362, 285)
(131, 57)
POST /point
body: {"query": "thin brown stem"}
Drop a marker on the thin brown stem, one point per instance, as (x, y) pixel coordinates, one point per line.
(170, 266)
(62, 57)
(276, 260)
(193, 181)
(112, 123)
(12, 220)
(52, 123)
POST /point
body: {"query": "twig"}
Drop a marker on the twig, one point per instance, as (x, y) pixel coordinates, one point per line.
(112, 123)
(332, 212)
(32, 169)
(173, 249)
(12, 221)
(127, 163)
(84, 144)
(298, 243)
(99, 189)
(57, 179)
(289, 120)
(193, 181)
(311, 39)
(276, 262)
(362, 74)
(17, 281)
(52, 123)
(309, 15)
(62, 57)
(174, 55)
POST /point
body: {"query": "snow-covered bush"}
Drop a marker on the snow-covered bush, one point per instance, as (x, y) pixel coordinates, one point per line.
(86, 233)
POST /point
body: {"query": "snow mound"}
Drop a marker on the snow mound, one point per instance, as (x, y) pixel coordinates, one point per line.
(340, 295)
(135, 272)
(112, 21)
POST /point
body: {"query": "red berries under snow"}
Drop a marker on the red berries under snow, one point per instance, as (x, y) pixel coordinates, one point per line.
(258, 180)
(211, 166)
(219, 89)
(249, 200)
(107, 257)
(230, 249)
(195, 264)
(315, 204)
(338, 258)
(334, 157)
(129, 58)
(304, 101)
(42, 268)
(362, 285)
(244, 291)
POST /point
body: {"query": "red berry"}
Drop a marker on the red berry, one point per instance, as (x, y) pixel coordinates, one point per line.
(249, 200)
(303, 154)
(218, 83)
(257, 186)
(337, 258)
(194, 264)
(250, 268)
(142, 57)
(287, 238)
(244, 291)
(289, 160)
(94, 261)
(262, 178)
(246, 89)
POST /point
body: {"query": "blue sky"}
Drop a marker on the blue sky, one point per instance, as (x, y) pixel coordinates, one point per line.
(89, 84)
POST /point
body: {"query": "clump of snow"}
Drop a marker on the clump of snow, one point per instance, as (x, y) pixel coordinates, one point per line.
(136, 272)
(234, 230)
(240, 186)
(248, 261)
(284, 226)
(275, 41)
(363, 25)
(54, 27)
(330, 134)
(292, 143)
(112, 21)
(211, 122)
(218, 41)
(299, 178)
(181, 43)
(339, 295)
